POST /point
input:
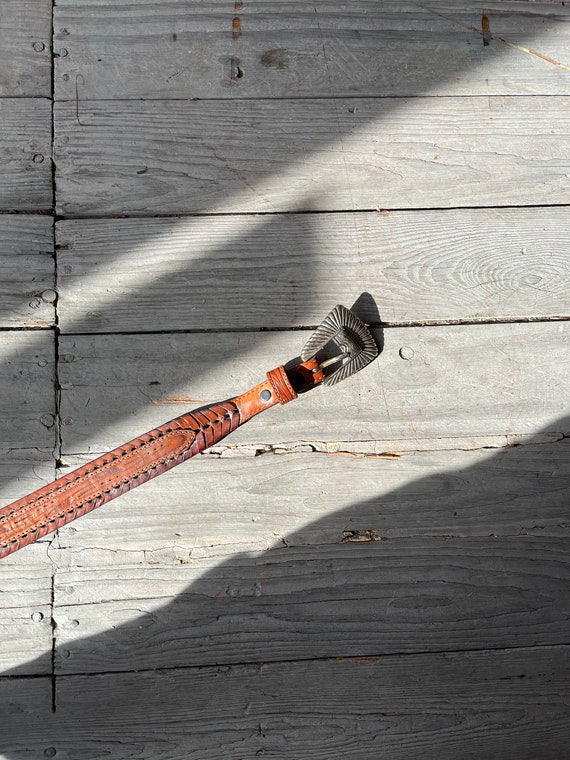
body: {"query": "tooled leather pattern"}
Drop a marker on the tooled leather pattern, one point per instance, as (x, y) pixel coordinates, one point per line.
(113, 474)
(281, 385)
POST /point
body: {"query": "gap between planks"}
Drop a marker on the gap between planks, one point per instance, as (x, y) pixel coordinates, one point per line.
(383, 210)
(357, 658)
(300, 328)
(295, 328)
(370, 449)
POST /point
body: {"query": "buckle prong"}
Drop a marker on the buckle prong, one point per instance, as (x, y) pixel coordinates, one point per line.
(333, 360)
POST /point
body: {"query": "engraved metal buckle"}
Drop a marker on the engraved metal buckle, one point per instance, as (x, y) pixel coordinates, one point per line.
(341, 345)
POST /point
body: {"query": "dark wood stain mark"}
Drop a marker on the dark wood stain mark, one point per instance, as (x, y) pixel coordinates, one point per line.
(275, 59)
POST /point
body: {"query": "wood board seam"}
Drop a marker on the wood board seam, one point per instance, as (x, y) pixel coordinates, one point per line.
(281, 543)
(289, 98)
(261, 663)
(322, 448)
(300, 212)
(284, 212)
(358, 96)
(299, 328)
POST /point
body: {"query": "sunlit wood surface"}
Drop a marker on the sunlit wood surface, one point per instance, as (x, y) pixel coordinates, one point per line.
(379, 570)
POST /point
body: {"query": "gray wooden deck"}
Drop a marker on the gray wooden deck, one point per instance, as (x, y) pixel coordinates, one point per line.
(380, 570)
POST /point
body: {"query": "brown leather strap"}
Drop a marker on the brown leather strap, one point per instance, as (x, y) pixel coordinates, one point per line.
(139, 460)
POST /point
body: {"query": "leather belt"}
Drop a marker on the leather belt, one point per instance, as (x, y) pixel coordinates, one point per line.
(341, 346)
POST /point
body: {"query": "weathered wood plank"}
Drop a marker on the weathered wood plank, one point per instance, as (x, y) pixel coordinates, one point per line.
(25, 616)
(27, 390)
(25, 148)
(25, 578)
(300, 499)
(331, 709)
(200, 273)
(26, 271)
(23, 470)
(117, 386)
(264, 49)
(26, 425)
(153, 157)
(27, 718)
(25, 48)
(404, 595)
(507, 704)
(26, 462)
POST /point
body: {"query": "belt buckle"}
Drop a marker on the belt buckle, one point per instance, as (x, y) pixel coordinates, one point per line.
(340, 346)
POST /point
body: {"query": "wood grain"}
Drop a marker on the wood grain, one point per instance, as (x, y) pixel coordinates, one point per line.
(473, 705)
(261, 502)
(27, 390)
(25, 48)
(23, 470)
(156, 157)
(27, 433)
(25, 147)
(206, 273)
(313, 604)
(26, 702)
(509, 704)
(26, 271)
(398, 596)
(263, 49)
(25, 617)
(330, 709)
(460, 381)
(25, 581)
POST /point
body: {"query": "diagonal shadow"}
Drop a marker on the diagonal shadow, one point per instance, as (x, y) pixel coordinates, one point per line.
(267, 289)
(300, 280)
(198, 609)
(321, 598)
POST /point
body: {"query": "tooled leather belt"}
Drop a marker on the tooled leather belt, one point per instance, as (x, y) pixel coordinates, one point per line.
(341, 346)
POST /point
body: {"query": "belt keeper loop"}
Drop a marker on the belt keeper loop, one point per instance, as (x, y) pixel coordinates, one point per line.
(281, 386)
